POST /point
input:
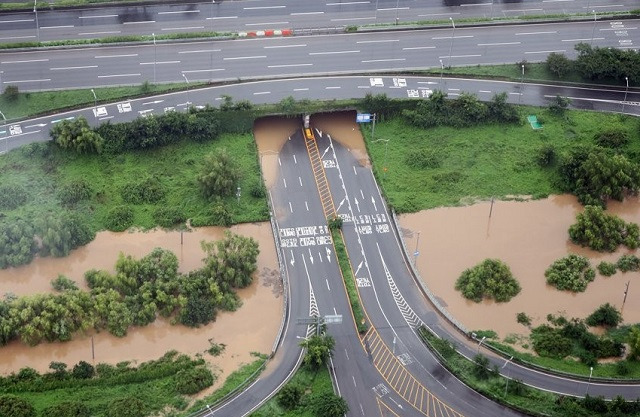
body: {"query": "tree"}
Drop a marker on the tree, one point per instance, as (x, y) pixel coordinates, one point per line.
(67, 409)
(77, 136)
(603, 232)
(491, 279)
(231, 261)
(193, 380)
(319, 350)
(605, 315)
(559, 104)
(17, 243)
(13, 406)
(126, 407)
(481, 369)
(376, 103)
(83, 370)
(287, 105)
(11, 93)
(501, 111)
(289, 396)
(558, 64)
(329, 405)
(219, 174)
(571, 273)
(634, 343)
(63, 232)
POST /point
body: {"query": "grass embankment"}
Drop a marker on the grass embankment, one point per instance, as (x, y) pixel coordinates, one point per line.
(481, 162)
(311, 382)
(534, 72)
(36, 103)
(44, 171)
(349, 281)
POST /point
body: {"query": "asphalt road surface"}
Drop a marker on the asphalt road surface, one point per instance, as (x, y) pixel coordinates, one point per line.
(305, 55)
(239, 16)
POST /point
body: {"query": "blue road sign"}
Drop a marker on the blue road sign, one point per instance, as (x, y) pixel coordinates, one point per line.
(363, 118)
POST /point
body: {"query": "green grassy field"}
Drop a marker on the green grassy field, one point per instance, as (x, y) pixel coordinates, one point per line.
(175, 165)
(480, 162)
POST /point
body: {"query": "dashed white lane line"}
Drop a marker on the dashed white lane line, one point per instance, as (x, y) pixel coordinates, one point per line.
(536, 33)
(244, 57)
(159, 62)
(263, 7)
(289, 65)
(306, 205)
(499, 43)
(352, 18)
(200, 51)
(455, 37)
(17, 37)
(139, 23)
(298, 45)
(26, 61)
(384, 60)
(260, 93)
(290, 207)
(300, 89)
(16, 21)
(26, 81)
(305, 13)
(118, 75)
(183, 28)
(266, 24)
(484, 91)
(114, 56)
(222, 17)
(284, 181)
(545, 52)
(459, 56)
(56, 27)
(180, 11)
(107, 32)
(347, 3)
(581, 40)
(380, 41)
(72, 68)
(334, 52)
(386, 9)
(332, 88)
(411, 48)
(102, 16)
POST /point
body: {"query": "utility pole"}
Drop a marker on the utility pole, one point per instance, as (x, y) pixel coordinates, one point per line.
(589, 383)
(506, 386)
(626, 290)
(441, 71)
(95, 104)
(155, 57)
(416, 252)
(593, 31)
(373, 127)
(521, 85)
(453, 35)
(625, 93)
(35, 10)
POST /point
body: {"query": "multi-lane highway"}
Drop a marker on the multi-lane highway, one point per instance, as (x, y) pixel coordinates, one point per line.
(305, 55)
(253, 15)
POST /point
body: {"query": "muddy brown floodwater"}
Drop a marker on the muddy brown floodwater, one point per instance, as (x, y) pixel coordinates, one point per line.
(528, 236)
(253, 327)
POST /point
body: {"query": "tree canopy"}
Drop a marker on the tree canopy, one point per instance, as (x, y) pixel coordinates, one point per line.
(603, 232)
(491, 278)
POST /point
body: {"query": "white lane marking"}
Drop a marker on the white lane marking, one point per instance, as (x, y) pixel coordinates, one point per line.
(347, 3)
(364, 86)
(484, 91)
(361, 193)
(25, 61)
(118, 75)
(437, 14)
(140, 22)
(56, 27)
(71, 68)
(300, 89)
(477, 4)
(418, 47)
(160, 62)
(354, 171)
(290, 207)
(384, 60)
(295, 161)
(289, 65)
(327, 281)
(280, 163)
(300, 181)
(114, 56)
(499, 43)
(535, 33)
(26, 81)
(353, 18)
(222, 17)
(180, 11)
(305, 13)
(18, 37)
(298, 45)
(380, 41)
(306, 205)
(263, 7)
(266, 23)
(453, 89)
(16, 21)
(334, 52)
(108, 32)
(458, 56)
(203, 70)
(332, 88)
(244, 57)
(199, 51)
(259, 93)
(354, 380)
(392, 8)
(455, 37)
(581, 40)
(182, 28)
(98, 16)
(554, 1)
(105, 118)
(284, 180)
(545, 52)
(609, 5)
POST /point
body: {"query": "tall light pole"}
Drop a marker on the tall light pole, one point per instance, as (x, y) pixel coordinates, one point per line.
(376, 18)
(521, 85)
(453, 35)
(593, 31)
(6, 137)
(416, 252)
(480, 342)
(625, 93)
(441, 71)
(35, 10)
(155, 57)
(187, 80)
(589, 382)
(397, 8)
(506, 386)
(95, 104)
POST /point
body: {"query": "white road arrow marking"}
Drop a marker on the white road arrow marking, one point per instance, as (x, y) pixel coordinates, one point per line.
(293, 261)
(373, 201)
(357, 204)
(328, 254)
(310, 256)
(341, 203)
(402, 408)
(358, 268)
(325, 152)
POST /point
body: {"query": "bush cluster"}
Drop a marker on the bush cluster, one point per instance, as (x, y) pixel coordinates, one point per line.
(13, 196)
(193, 380)
(605, 315)
(491, 278)
(628, 263)
(167, 216)
(424, 158)
(603, 232)
(606, 269)
(74, 192)
(147, 190)
(571, 273)
(119, 218)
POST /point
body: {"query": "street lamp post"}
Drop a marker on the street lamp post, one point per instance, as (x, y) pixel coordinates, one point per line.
(6, 137)
(593, 31)
(397, 8)
(187, 80)
(521, 85)
(453, 35)
(95, 104)
(589, 382)
(625, 93)
(155, 57)
(238, 193)
(506, 386)
(441, 71)
(480, 343)
(35, 10)
(415, 253)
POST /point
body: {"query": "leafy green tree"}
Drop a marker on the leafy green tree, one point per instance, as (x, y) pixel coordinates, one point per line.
(17, 244)
(329, 405)
(231, 261)
(63, 283)
(481, 369)
(606, 269)
(119, 218)
(63, 232)
(289, 396)
(59, 369)
(319, 350)
(468, 110)
(491, 278)
(628, 262)
(74, 192)
(559, 104)
(193, 380)
(379, 104)
(77, 136)
(11, 93)
(571, 273)
(287, 105)
(13, 406)
(603, 232)
(83, 370)
(203, 128)
(146, 190)
(126, 407)
(67, 409)
(546, 155)
(612, 137)
(549, 342)
(500, 111)
(605, 315)
(634, 343)
(219, 174)
(559, 64)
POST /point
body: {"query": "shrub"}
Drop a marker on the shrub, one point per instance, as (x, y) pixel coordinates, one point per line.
(126, 407)
(605, 315)
(74, 192)
(329, 405)
(335, 223)
(550, 342)
(571, 273)
(13, 406)
(220, 215)
(167, 216)
(83, 370)
(545, 155)
(13, 196)
(67, 409)
(77, 136)
(522, 318)
(481, 369)
(193, 380)
(612, 138)
(558, 64)
(603, 232)
(119, 218)
(423, 158)
(17, 245)
(558, 105)
(606, 269)
(257, 190)
(491, 279)
(11, 93)
(63, 283)
(219, 174)
(148, 190)
(623, 368)
(628, 263)
(290, 396)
